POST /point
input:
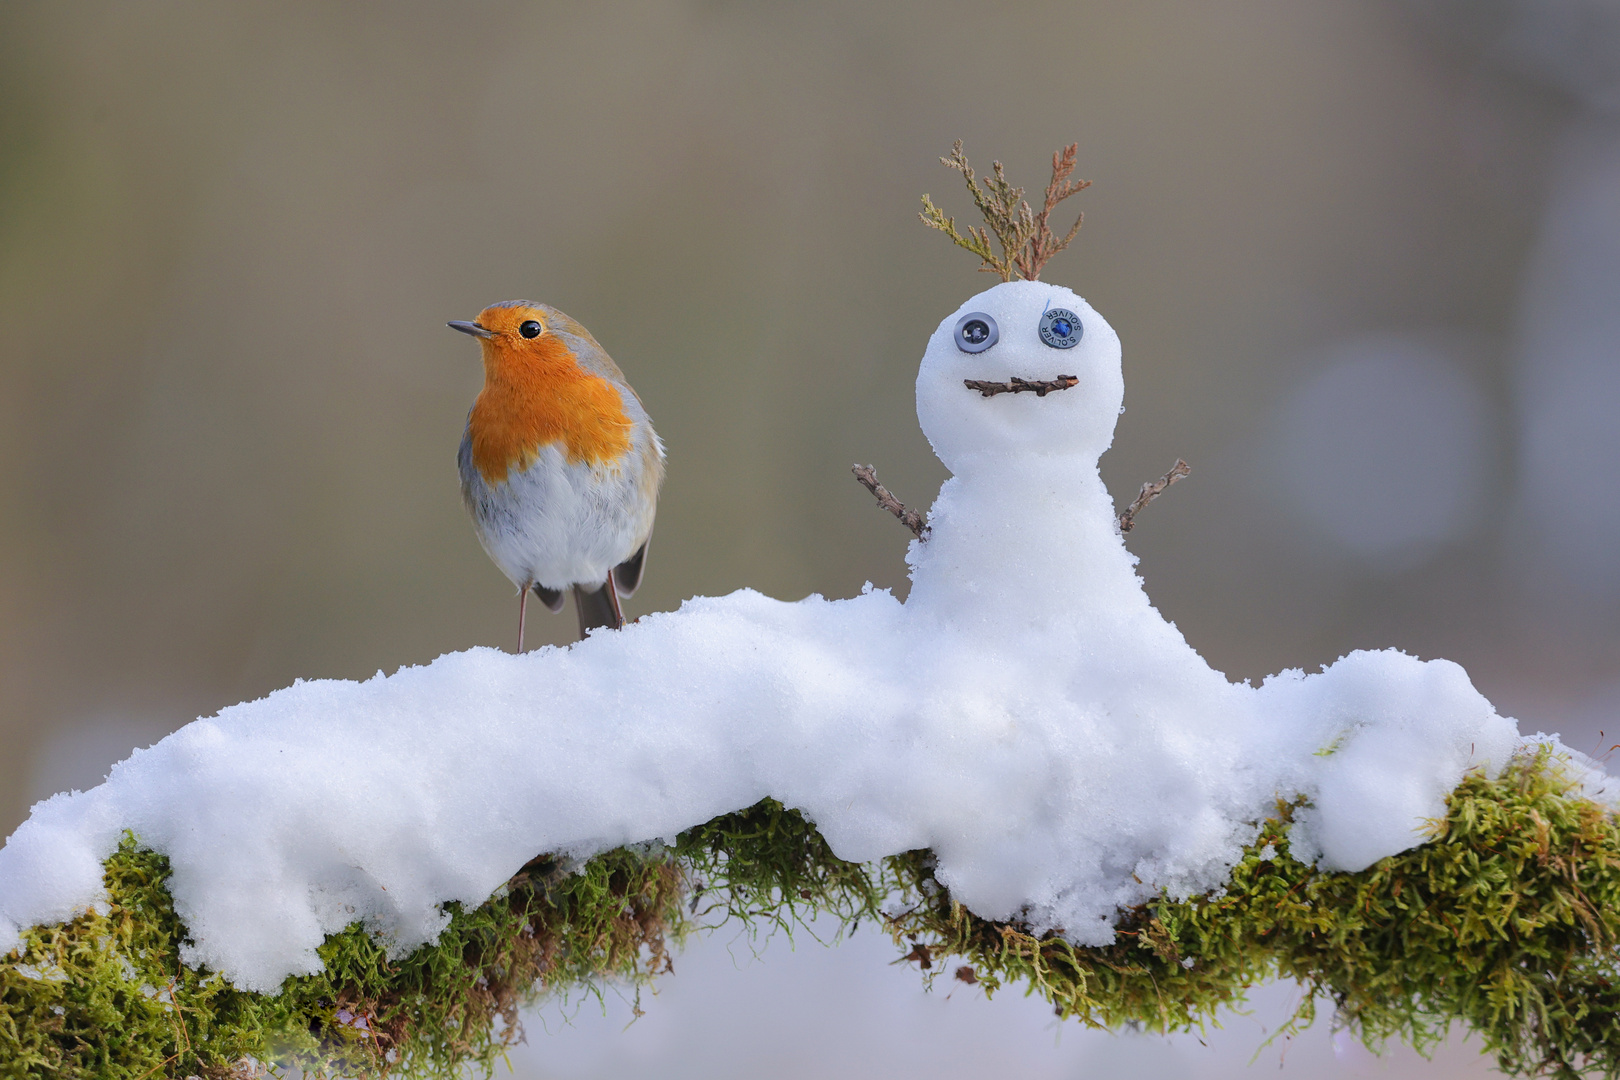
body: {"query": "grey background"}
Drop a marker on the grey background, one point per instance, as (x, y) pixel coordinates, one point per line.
(1364, 257)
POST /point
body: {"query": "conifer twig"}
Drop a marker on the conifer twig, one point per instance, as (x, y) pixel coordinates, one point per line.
(1025, 238)
(977, 239)
(1042, 244)
(911, 519)
(1149, 492)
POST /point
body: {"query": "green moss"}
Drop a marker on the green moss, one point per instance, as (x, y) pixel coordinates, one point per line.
(1505, 922)
(768, 866)
(115, 1002)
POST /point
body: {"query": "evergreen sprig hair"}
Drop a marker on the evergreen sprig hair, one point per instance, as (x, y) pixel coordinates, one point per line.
(1025, 238)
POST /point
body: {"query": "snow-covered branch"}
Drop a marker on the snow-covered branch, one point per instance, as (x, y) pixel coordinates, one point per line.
(1505, 920)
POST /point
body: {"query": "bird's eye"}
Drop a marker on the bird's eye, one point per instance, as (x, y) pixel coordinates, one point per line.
(530, 329)
(1060, 328)
(976, 332)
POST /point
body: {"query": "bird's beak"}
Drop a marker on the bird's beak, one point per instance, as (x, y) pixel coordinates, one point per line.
(470, 328)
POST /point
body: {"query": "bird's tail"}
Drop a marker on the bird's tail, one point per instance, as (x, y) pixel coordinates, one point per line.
(598, 607)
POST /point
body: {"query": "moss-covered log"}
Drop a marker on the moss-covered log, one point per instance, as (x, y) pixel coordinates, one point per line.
(1506, 922)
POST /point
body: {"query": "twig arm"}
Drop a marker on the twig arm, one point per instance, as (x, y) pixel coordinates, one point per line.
(1149, 492)
(911, 519)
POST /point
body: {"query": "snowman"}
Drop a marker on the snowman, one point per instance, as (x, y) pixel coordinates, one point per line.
(1169, 764)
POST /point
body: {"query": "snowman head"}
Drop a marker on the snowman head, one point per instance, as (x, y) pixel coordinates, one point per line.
(1029, 330)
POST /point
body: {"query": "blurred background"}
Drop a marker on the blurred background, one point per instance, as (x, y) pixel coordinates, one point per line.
(1364, 256)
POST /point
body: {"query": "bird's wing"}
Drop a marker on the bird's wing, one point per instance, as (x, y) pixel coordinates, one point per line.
(627, 575)
(598, 607)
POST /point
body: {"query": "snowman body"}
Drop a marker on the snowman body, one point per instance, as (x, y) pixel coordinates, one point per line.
(1025, 557)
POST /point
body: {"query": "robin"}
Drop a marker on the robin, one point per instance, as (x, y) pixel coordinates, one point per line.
(560, 465)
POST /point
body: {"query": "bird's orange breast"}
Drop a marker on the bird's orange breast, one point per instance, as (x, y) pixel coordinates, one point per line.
(538, 397)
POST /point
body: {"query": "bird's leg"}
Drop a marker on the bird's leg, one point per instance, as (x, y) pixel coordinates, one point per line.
(613, 600)
(523, 607)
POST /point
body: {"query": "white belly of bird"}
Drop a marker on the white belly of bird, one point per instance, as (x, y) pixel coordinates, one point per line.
(562, 523)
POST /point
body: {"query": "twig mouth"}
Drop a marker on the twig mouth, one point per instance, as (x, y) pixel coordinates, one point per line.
(1015, 385)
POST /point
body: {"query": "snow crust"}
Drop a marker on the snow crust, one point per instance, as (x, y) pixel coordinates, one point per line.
(1026, 713)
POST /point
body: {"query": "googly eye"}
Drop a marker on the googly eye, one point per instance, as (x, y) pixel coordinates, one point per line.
(1060, 328)
(976, 332)
(530, 329)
